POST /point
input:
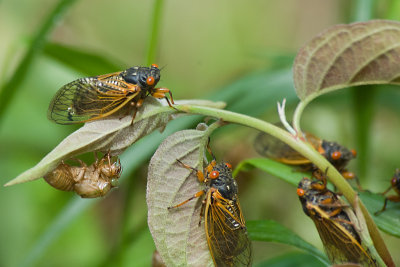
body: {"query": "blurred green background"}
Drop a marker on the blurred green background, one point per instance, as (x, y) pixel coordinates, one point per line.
(237, 51)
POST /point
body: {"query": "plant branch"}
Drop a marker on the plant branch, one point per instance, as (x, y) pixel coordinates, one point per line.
(307, 151)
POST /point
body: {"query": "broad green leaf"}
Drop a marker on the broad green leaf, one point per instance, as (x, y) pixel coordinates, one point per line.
(284, 172)
(348, 55)
(292, 259)
(177, 235)
(112, 134)
(271, 231)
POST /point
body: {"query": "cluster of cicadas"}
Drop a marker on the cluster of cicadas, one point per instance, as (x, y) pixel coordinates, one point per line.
(330, 215)
(93, 98)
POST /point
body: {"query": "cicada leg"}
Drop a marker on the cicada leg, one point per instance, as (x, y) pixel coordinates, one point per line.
(389, 198)
(198, 194)
(160, 93)
(136, 106)
(212, 164)
(199, 174)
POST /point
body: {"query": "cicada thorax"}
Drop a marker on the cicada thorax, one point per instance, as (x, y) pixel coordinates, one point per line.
(224, 183)
(92, 98)
(225, 228)
(337, 231)
(338, 155)
(91, 181)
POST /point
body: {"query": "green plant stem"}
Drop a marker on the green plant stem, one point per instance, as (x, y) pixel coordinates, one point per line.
(307, 151)
(297, 115)
(154, 33)
(8, 91)
(363, 10)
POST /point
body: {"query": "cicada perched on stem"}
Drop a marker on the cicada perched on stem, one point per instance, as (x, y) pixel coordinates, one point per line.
(225, 227)
(338, 233)
(395, 185)
(339, 156)
(92, 98)
(92, 181)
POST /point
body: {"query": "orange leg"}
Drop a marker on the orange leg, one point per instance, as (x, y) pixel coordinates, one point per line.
(212, 164)
(335, 212)
(198, 194)
(199, 174)
(160, 93)
(318, 186)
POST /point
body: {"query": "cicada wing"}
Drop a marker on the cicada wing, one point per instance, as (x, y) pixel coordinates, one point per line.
(340, 245)
(268, 146)
(88, 99)
(226, 232)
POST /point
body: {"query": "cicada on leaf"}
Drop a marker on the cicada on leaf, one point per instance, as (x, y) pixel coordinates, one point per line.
(93, 98)
(338, 233)
(225, 227)
(395, 185)
(92, 181)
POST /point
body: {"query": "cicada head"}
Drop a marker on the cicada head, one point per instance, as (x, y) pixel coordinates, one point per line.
(224, 183)
(147, 78)
(110, 171)
(336, 154)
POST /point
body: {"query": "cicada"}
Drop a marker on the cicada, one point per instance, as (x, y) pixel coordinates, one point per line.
(225, 227)
(92, 98)
(395, 184)
(339, 156)
(92, 181)
(341, 241)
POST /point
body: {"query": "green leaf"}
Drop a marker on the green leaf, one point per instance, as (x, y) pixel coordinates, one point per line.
(11, 87)
(280, 170)
(177, 235)
(348, 55)
(271, 231)
(88, 63)
(389, 220)
(292, 259)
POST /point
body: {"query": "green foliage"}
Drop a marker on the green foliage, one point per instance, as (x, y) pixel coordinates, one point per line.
(271, 231)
